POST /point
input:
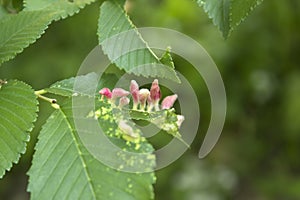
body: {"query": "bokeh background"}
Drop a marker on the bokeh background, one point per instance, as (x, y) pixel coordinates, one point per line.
(257, 156)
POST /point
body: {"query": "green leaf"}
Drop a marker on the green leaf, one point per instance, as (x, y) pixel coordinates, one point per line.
(63, 8)
(163, 119)
(167, 59)
(241, 9)
(62, 167)
(227, 14)
(20, 30)
(66, 87)
(124, 46)
(18, 107)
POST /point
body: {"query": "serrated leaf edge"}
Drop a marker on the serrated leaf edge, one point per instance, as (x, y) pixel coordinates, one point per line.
(230, 25)
(244, 17)
(135, 29)
(28, 42)
(23, 151)
(62, 14)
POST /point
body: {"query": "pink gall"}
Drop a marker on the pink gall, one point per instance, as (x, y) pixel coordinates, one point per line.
(123, 101)
(119, 92)
(143, 96)
(106, 92)
(133, 86)
(168, 101)
(155, 91)
(134, 90)
(155, 96)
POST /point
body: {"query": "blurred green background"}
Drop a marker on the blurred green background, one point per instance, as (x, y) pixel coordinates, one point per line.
(257, 156)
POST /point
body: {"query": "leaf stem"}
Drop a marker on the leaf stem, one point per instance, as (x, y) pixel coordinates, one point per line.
(53, 102)
(40, 92)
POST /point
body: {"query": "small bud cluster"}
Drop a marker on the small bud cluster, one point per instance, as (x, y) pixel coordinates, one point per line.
(143, 99)
(116, 93)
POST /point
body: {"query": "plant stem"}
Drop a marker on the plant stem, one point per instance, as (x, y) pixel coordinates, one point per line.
(50, 100)
(39, 92)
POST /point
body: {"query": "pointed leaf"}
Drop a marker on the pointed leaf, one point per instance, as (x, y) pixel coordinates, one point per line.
(167, 59)
(168, 118)
(18, 107)
(63, 168)
(124, 46)
(227, 14)
(63, 8)
(163, 119)
(66, 87)
(241, 9)
(20, 30)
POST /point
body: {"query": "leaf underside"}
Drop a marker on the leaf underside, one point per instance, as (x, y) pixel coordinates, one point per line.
(228, 14)
(18, 107)
(124, 46)
(20, 30)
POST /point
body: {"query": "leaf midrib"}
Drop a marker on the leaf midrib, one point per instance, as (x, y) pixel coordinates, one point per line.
(80, 154)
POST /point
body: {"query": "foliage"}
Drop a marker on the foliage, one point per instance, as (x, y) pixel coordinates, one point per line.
(139, 61)
(18, 31)
(62, 8)
(227, 14)
(62, 168)
(17, 113)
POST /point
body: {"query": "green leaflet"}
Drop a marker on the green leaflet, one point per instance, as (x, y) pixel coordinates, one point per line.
(63, 8)
(18, 107)
(167, 59)
(124, 46)
(241, 9)
(76, 169)
(163, 119)
(20, 30)
(87, 85)
(62, 167)
(227, 14)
